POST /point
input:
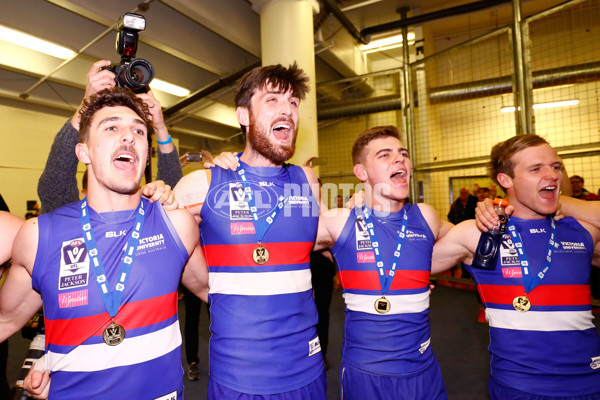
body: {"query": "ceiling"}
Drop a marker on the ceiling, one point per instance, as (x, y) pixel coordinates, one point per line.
(202, 45)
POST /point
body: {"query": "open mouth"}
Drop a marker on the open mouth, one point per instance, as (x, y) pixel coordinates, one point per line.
(549, 192)
(124, 161)
(282, 130)
(399, 176)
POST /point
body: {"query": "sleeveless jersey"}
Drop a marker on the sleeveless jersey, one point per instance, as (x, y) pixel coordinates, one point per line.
(147, 364)
(554, 348)
(263, 317)
(395, 343)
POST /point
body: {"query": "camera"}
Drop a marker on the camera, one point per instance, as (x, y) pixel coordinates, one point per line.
(133, 73)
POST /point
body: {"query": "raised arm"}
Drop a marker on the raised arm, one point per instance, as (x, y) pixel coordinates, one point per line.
(168, 164)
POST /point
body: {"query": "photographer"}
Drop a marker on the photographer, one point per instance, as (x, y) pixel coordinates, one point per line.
(58, 184)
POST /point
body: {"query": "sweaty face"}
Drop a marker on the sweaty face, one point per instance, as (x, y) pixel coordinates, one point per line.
(117, 147)
(273, 124)
(534, 190)
(387, 169)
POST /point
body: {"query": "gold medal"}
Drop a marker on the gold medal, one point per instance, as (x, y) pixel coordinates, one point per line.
(114, 334)
(260, 255)
(521, 303)
(382, 305)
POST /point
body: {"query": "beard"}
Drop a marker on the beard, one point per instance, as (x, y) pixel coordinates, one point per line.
(258, 138)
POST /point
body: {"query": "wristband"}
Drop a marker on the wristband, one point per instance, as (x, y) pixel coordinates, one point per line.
(169, 140)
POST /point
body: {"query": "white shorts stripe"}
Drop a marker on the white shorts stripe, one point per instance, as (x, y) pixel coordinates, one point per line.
(400, 304)
(260, 283)
(540, 320)
(96, 357)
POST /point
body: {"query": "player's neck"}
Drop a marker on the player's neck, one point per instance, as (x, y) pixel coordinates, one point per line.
(524, 212)
(255, 159)
(382, 204)
(105, 200)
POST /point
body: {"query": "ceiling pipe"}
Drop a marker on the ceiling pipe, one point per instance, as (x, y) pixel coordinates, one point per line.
(464, 91)
(332, 6)
(502, 85)
(213, 87)
(358, 107)
(419, 19)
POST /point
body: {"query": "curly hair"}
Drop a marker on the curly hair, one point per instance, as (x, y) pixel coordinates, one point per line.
(367, 136)
(501, 157)
(113, 97)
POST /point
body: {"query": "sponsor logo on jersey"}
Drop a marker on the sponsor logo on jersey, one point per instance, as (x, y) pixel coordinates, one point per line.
(595, 364)
(508, 253)
(74, 265)
(363, 257)
(151, 243)
(314, 347)
(73, 299)
(230, 200)
(242, 228)
(114, 234)
(414, 235)
(267, 184)
(170, 396)
(298, 200)
(512, 272)
(424, 346)
(536, 230)
(572, 245)
(363, 241)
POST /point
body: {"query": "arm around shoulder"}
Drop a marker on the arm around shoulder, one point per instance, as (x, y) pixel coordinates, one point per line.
(18, 300)
(459, 244)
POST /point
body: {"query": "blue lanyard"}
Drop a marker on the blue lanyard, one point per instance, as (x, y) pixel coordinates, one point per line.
(385, 281)
(531, 281)
(260, 227)
(111, 299)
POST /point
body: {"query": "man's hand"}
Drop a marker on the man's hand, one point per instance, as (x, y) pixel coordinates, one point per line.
(158, 191)
(485, 215)
(97, 80)
(37, 381)
(224, 160)
(357, 200)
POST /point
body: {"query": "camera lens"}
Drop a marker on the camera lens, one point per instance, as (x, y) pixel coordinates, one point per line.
(138, 75)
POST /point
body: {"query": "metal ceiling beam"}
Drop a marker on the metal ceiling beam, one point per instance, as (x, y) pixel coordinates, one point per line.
(170, 112)
(419, 19)
(332, 6)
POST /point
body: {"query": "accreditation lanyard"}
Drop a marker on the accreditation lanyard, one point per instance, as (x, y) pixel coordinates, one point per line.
(385, 281)
(531, 281)
(111, 299)
(260, 227)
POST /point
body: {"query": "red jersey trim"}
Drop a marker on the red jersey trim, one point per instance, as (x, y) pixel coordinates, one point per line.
(73, 332)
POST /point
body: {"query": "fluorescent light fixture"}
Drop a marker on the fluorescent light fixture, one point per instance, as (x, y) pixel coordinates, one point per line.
(169, 88)
(33, 43)
(564, 103)
(387, 43)
(359, 5)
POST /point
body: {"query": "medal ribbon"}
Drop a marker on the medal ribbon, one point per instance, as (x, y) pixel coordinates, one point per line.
(385, 281)
(259, 227)
(531, 281)
(111, 299)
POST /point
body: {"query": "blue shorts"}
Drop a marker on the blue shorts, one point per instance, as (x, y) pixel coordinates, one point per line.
(316, 390)
(501, 392)
(357, 385)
